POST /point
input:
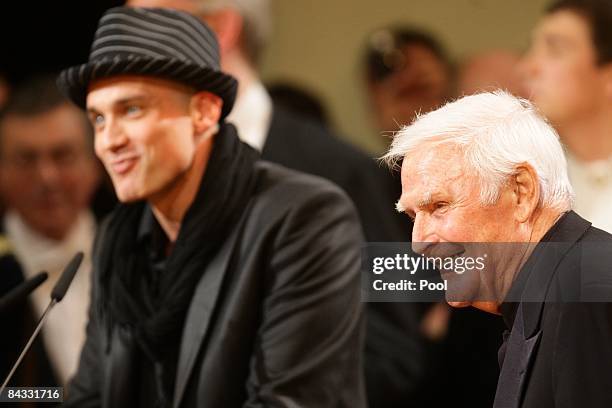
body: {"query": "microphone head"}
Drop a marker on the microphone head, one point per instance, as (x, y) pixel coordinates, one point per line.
(61, 287)
(21, 291)
(36, 281)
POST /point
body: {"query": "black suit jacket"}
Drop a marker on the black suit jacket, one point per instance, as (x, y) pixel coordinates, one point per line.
(275, 319)
(559, 352)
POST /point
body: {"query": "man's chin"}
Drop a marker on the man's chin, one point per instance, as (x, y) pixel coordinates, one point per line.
(127, 193)
(490, 307)
(459, 304)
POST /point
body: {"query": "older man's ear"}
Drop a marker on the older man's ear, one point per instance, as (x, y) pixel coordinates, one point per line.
(526, 192)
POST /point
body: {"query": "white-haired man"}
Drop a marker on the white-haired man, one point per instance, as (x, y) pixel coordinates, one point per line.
(488, 169)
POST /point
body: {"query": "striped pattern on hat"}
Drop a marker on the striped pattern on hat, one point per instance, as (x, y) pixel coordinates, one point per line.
(164, 43)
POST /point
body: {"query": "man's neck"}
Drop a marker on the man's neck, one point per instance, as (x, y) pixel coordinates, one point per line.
(543, 221)
(170, 205)
(588, 138)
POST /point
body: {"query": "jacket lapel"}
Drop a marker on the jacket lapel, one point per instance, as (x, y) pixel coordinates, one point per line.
(520, 351)
(521, 348)
(550, 255)
(200, 312)
(119, 384)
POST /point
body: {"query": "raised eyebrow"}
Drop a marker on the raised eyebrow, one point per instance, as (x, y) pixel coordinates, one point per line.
(92, 112)
(425, 201)
(556, 38)
(119, 103)
(129, 99)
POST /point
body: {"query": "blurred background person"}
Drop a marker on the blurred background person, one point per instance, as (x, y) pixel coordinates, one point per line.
(299, 100)
(490, 70)
(48, 175)
(568, 74)
(407, 71)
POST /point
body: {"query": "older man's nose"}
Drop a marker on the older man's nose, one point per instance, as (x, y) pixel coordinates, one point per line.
(422, 233)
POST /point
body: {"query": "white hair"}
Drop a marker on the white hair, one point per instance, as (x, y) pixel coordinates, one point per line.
(496, 132)
(257, 26)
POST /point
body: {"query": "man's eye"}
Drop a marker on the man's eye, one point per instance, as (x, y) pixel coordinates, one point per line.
(98, 120)
(555, 48)
(440, 207)
(133, 110)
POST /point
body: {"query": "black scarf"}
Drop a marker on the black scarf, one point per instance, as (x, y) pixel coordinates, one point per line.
(156, 326)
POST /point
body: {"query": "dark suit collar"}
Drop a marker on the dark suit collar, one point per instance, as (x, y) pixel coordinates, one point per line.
(523, 314)
(202, 308)
(145, 227)
(532, 287)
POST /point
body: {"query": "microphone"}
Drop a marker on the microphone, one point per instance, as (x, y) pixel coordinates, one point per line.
(22, 290)
(61, 287)
(57, 294)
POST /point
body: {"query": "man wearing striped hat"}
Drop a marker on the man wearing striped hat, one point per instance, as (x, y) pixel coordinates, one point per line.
(221, 280)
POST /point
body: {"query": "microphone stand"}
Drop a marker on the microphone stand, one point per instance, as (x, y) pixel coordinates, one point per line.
(52, 303)
(57, 294)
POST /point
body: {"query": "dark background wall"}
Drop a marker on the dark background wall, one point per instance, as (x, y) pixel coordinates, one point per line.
(45, 36)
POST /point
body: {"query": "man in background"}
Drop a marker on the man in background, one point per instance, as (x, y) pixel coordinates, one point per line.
(407, 71)
(48, 174)
(568, 75)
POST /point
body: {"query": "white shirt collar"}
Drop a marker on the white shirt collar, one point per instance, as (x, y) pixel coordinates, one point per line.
(251, 115)
(36, 252)
(64, 330)
(597, 172)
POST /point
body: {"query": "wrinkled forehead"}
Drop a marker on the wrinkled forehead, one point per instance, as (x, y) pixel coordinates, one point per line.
(432, 158)
(430, 168)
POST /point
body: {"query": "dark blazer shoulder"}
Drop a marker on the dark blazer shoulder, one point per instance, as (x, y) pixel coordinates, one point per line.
(286, 188)
(296, 141)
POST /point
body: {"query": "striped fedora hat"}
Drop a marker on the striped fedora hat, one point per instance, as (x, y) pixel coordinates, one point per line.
(163, 43)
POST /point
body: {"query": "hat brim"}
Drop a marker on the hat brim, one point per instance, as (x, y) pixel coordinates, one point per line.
(74, 81)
